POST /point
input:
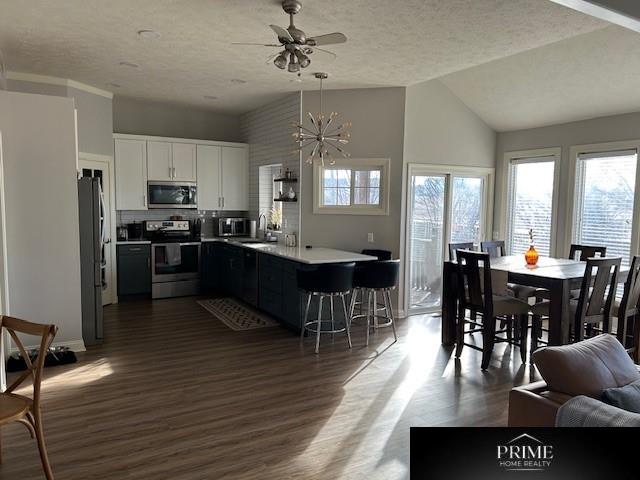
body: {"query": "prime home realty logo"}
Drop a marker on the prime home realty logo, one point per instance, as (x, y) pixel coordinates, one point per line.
(525, 453)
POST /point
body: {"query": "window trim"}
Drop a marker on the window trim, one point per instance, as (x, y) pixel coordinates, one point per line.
(574, 152)
(384, 164)
(531, 155)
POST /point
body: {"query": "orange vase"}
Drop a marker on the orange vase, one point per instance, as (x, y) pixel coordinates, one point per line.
(531, 256)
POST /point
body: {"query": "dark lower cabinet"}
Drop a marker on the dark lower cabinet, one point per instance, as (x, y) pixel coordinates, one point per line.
(134, 270)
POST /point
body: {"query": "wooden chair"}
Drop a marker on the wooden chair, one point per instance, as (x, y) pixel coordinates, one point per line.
(459, 246)
(597, 295)
(476, 295)
(628, 331)
(586, 251)
(18, 408)
(494, 249)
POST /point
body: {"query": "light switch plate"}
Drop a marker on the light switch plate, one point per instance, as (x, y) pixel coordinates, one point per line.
(370, 237)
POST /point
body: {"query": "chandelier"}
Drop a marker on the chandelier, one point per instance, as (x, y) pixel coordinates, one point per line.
(326, 140)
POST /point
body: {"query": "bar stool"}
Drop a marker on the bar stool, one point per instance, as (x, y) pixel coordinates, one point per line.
(371, 278)
(380, 255)
(330, 280)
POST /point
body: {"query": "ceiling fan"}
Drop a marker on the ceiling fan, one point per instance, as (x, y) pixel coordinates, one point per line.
(295, 44)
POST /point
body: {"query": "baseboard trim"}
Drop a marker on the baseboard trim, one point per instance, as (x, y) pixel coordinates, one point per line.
(74, 345)
(400, 313)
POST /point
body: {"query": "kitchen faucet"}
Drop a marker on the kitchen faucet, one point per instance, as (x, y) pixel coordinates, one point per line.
(264, 231)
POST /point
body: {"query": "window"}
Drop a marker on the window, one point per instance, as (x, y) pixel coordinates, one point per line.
(604, 199)
(355, 186)
(530, 202)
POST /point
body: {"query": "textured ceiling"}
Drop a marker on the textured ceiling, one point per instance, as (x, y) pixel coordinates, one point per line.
(390, 42)
(589, 76)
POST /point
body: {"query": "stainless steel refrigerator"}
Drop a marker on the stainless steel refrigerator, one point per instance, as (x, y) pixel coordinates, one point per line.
(92, 262)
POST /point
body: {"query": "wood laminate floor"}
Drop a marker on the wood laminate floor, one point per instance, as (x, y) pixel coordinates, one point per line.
(175, 394)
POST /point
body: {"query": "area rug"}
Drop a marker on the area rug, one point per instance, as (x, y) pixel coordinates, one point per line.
(236, 315)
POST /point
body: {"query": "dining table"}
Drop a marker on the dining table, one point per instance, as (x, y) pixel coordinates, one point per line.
(558, 275)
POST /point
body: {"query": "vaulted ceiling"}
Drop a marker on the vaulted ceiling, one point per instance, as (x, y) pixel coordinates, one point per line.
(588, 76)
(391, 43)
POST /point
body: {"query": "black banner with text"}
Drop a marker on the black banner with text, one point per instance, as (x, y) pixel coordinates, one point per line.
(514, 453)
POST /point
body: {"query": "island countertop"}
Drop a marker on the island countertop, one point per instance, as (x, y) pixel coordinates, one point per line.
(310, 256)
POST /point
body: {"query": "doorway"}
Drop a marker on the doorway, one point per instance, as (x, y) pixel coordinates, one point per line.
(97, 166)
(444, 205)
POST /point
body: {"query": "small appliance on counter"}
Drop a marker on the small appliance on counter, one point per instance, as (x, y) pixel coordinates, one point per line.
(122, 233)
(134, 231)
(231, 227)
(290, 240)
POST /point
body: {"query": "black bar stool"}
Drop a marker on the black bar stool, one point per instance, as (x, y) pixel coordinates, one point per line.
(380, 255)
(330, 280)
(371, 278)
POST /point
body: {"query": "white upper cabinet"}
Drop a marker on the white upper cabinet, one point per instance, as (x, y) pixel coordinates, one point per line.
(221, 170)
(184, 162)
(171, 161)
(131, 174)
(235, 178)
(209, 177)
(159, 165)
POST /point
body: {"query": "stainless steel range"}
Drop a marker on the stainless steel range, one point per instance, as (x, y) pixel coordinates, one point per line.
(175, 258)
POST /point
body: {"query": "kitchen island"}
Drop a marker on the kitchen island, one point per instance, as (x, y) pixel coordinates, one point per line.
(264, 275)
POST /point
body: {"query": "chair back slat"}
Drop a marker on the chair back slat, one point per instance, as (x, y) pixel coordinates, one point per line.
(597, 293)
(459, 246)
(494, 249)
(35, 367)
(631, 293)
(586, 251)
(474, 281)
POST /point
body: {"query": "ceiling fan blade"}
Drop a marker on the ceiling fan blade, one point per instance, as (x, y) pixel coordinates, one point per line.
(283, 34)
(328, 39)
(322, 50)
(259, 44)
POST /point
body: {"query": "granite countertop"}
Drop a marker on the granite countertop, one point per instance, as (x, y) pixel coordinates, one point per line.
(311, 256)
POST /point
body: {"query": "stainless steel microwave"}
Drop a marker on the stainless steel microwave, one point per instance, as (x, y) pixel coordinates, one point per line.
(172, 195)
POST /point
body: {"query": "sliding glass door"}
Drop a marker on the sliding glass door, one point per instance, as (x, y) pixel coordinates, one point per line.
(604, 201)
(444, 205)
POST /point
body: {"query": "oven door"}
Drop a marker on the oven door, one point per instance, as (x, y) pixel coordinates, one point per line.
(172, 195)
(173, 262)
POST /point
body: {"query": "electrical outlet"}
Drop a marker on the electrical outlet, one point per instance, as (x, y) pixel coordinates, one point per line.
(370, 237)
(496, 234)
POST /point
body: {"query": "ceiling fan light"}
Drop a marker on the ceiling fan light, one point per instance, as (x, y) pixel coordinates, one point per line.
(294, 67)
(280, 61)
(303, 59)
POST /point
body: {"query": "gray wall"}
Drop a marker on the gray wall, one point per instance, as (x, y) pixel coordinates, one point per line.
(140, 117)
(377, 115)
(95, 114)
(441, 130)
(268, 131)
(598, 130)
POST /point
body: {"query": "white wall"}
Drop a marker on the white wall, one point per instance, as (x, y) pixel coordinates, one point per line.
(141, 117)
(41, 211)
(95, 113)
(441, 130)
(377, 115)
(598, 130)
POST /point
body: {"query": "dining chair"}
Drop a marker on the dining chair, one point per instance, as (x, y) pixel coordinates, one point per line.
(495, 249)
(628, 327)
(19, 408)
(591, 311)
(476, 294)
(459, 246)
(597, 295)
(586, 251)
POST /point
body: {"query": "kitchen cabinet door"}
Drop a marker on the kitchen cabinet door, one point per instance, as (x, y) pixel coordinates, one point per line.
(209, 166)
(184, 162)
(131, 174)
(134, 270)
(235, 178)
(159, 165)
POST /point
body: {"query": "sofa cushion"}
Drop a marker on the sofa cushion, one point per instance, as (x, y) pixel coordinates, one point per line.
(586, 368)
(626, 398)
